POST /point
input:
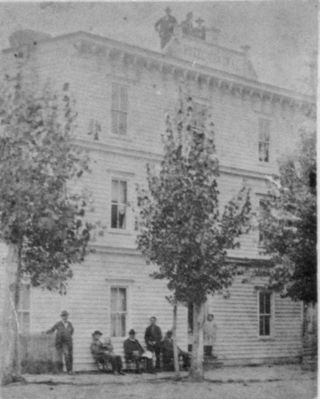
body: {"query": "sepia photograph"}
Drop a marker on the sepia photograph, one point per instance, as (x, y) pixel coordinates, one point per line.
(158, 199)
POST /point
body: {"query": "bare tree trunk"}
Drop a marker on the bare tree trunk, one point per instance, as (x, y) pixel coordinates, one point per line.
(10, 356)
(175, 347)
(196, 370)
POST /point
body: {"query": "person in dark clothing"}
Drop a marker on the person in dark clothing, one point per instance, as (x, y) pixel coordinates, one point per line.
(165, 27)
(103, 352)
(167, 352)
(200, 30)
(64, 345)
(133, 350)
(153, 337)
(187, 25)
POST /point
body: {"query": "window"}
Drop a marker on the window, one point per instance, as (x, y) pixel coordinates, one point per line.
(118, 311)
(118, 204)
(23, 309)
(264, 313)
(262, 214)
(119, 109)
(264, 140)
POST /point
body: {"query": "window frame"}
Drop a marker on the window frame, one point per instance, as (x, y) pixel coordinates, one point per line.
(271, 314)
(119, 283)
(118, 204)
(117, 312)
(260, 235)
(264, 140)
(120, 109)
(24, 310)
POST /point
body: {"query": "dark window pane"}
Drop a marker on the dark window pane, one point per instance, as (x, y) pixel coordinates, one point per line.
(114, 215)
(267, 303)
(122, 217)
(123, 325)
(261, 303)
(261, 326)
(113, 325)
(122, 299)
(267, 325)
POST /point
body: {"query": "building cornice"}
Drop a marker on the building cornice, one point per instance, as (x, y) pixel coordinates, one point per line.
(241, 261)
(181, 68)
(150, 156)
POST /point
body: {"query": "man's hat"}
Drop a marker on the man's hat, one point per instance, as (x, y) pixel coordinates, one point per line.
(200, 20)
(64, 313)
(97, 332)
(167, 9)
(131, 332)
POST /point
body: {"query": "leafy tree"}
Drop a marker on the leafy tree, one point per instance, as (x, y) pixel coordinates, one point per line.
(182, 228)
(288, 223)
(42, 219)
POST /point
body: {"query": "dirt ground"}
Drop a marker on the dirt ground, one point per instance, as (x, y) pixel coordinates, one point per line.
(278, 382)
(303, 389)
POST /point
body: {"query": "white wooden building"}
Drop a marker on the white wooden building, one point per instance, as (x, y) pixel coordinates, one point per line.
(123, 93)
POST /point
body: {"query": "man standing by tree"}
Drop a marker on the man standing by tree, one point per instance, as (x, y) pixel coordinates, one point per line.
(153, 337)
(64, 345)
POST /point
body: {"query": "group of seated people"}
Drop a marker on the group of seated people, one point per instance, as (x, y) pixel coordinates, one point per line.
(135, 354)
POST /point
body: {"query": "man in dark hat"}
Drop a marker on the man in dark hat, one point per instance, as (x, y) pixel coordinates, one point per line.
(200, 30)
(64, 331)
(103, 352)
(187, 25)
(133, 350)
(153, 337)
(165, 27)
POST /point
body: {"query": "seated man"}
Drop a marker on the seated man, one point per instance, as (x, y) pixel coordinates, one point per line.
(103, 353)
(133, 351)
(167, 353)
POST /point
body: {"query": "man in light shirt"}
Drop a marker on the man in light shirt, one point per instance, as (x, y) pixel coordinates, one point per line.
(209, 335)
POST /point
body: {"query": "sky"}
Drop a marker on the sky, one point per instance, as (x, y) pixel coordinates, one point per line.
(282, 34)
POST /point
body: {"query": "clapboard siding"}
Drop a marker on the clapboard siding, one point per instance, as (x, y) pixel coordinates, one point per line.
(237, 321)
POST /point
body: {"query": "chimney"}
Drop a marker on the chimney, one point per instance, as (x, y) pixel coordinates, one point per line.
(212, 35)
(26, 37)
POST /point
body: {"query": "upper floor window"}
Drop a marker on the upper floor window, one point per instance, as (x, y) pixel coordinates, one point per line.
(118, 311)
(119, 109)
(262, 212)
(118, 204)
(265, 315)
(23, 309)
(264, 140)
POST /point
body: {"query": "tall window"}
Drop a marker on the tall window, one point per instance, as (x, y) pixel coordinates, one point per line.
(118, 311)
(23, 309)
(119, 109)
(262, 211)
(118, 204)
(264, 140)
(264, 313)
